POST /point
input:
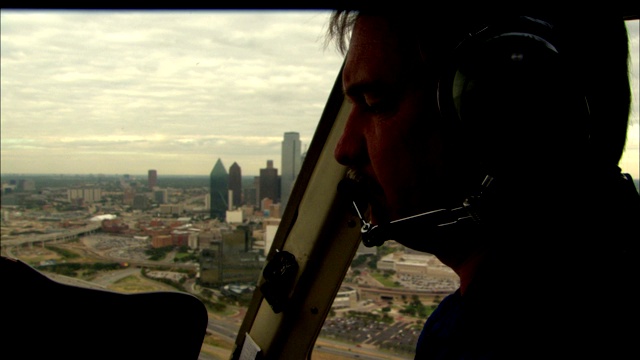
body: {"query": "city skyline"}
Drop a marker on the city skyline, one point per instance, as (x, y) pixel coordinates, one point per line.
(121, 92)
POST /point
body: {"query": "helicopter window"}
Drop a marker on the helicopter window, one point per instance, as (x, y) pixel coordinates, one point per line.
(115, 125)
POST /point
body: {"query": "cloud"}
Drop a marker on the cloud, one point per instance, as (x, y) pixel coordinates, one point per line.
(125, 82)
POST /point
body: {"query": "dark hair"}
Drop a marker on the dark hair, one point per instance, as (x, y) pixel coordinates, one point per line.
(596, 44)
(340, 26)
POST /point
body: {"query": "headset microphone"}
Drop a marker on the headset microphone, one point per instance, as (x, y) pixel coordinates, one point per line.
(436, 220)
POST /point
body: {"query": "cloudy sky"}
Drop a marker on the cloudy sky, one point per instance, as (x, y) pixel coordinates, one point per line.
(124, 92)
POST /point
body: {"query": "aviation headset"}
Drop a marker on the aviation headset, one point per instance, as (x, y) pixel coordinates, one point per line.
(508, 84)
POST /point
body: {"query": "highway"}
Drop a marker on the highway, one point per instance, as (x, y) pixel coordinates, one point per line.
(42, 238)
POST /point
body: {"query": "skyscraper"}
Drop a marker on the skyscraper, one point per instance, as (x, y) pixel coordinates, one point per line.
(252, 192)
(235, 185)
(291, 164)
(153, 178)
(269, 184)
(218, 191)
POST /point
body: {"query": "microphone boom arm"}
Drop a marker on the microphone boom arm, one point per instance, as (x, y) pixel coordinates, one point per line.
(376, 235)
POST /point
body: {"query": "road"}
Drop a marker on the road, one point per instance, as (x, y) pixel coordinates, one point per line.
(110, 277)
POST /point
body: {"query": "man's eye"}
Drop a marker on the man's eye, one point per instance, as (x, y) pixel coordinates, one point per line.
(376, 104)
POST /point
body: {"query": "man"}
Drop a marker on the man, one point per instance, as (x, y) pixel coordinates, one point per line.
(503, 134)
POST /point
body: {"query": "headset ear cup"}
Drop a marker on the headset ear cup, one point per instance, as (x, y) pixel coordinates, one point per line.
(509, 66)
(509, 89)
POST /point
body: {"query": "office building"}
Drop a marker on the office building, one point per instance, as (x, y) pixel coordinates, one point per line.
(265, 206)
(252, 192)
(235, 216)
(170, 209)
(152, 179)
(235, 186)
(231, 259)
(84, 195)
(269, 183)
(250, 195)
(128, 194)
(218, 191)
(291, 164)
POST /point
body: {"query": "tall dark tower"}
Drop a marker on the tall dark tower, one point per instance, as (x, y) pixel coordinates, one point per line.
(153, 178)
(269, 184)
(235, 184)
(219, 190)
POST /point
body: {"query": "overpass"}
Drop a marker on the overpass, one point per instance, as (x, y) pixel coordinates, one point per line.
(52, 237)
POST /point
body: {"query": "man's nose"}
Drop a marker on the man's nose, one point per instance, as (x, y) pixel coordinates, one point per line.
(351, 149)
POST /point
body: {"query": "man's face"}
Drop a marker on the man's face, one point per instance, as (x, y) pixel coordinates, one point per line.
(394, 137)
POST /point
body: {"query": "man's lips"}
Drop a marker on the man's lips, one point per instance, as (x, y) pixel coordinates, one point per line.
(367, 195)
